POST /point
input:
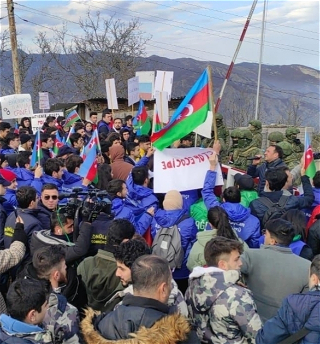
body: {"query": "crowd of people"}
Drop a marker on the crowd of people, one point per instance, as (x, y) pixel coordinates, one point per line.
(113, 262)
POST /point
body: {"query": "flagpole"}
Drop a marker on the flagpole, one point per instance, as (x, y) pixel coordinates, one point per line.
(38, 152)
(211, 102)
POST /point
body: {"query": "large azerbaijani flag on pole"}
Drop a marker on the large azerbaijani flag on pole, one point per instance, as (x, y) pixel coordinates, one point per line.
(309, 164)
(72, 118)
(37, 151)
(189, 115)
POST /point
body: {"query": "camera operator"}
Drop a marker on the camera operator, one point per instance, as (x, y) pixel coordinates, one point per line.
(62, 232)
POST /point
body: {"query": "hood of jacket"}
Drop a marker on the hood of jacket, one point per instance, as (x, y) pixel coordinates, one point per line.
(167, 218)
(204, 236)
(117, 205)
(169, 329)
(71, 178)
(139, 192)
(46, 179)
(23, 174)
(116, 153)
(14, 327)
(214, 280)
(236, 211)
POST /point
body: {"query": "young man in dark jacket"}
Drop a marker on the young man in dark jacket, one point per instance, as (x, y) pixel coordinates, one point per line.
(298, 311)
(144, 313)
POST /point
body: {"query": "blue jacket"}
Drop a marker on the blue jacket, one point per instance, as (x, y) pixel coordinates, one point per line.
(294, 202)
(260, 171)
(297, 311)
(70, 181)
(188, 231)
(18, 332)
(8, 150)
(44, 215)
(243, 223)
(11, 201)
(103, 127)
(189, 197)
(46, 179)
(308, 211)
(24, 177)
(121, 211)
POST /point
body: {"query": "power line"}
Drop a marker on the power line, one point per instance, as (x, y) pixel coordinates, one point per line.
(196, 72)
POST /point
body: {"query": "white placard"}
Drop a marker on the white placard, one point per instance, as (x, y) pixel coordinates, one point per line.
(164, 82)
(38, 119)
(44, 101)
(16, 106)
(111, 94)
(205, 129)
(133, 90)
(146, 85)
(182, 169)
(162, 106)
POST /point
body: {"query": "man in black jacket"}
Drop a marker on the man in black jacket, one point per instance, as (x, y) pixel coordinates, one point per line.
(145, 313)
(47, 204)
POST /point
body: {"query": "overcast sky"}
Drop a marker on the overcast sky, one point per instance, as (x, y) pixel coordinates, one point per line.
(202, 30)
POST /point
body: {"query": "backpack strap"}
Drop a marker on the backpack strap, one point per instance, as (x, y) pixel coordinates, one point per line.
(295, 337)
(266, 201)
(182, 218)
(283, 201)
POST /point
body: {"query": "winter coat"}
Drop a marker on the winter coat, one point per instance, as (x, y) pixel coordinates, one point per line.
(247, 196)
(188, 231)
(70, 181)
(120, 168)
(316, 202)
(189, 197)
(103, 127)
(31, 224)
(122, 211)
(241, 220)
(176, 298)
(294, 202)
(129, 160)
(99, 233)
(45, 156)
(260, 171)
(269, 275)
(13, 331)
(99, 276)
(44, 215)
(46, 179)
(221, 310)
(148, 319)
(313, 239)
(11, 201)
(8, 259)
(24, 176)
(74, 250)
(7, 150)
(199, 213)
(297, 311)
(3, 218)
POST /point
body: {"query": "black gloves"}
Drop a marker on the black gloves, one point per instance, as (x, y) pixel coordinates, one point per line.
(19, 234)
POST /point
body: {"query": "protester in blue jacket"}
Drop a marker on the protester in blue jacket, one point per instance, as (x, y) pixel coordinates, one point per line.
(242, 222)
(173, 213)
(24, 176)
(298, 311)
(104, 124)
(11, 146)
(11, 200)
(117, 189)
(70, 177)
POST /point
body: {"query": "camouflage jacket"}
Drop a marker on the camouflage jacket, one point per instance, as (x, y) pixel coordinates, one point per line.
(62, 320)
(222, 311)
(175, 299)
(256, 140)
(240, 156)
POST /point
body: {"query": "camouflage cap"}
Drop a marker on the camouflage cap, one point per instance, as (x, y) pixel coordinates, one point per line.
(292, 131)
(235, 133)
(286, 147)
(276, 136)
(255, 123)
(245, 134)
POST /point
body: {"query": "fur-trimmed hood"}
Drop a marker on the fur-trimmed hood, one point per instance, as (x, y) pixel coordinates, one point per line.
(170, 329)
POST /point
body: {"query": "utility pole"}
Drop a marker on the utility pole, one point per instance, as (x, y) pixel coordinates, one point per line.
(14, 47)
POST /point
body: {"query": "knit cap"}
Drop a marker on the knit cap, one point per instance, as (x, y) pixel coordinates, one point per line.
(24, 138)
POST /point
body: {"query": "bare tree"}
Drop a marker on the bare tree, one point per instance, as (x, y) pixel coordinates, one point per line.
(107, 48)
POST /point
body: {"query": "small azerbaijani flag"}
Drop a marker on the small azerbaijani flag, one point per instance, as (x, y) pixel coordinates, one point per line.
(37, 151)
(309, 164)
(57, 144)
(16, 128)
(71, 131)
(156, 124)
(141, 122)
(89, 167)
(93, 141)
(71, 118)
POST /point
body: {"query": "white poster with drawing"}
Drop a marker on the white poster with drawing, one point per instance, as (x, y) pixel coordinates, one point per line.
(16, 106)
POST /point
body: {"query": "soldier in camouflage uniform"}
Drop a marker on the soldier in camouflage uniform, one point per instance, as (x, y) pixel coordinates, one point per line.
(234, 144)
(316, 143)
(223, 137)
(222, 311)
(275, 137)
(245, 150)
(296, 144)
(256, 128)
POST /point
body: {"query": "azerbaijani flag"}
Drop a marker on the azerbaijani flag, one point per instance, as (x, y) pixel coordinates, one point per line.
(89, 167)
(71, 131)
(57, 144)
(141, 122)
(156, 124)
(71, 118)
(309, 164)
(93, 143)
(37, 151)
(189, 115)
(16, 128)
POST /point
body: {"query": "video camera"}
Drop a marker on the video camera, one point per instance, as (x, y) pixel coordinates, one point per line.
(87, 204)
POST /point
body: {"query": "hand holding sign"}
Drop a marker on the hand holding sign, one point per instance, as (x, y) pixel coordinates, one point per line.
(213, 159)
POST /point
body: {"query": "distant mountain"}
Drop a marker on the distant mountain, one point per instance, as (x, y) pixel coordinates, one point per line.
(289, 94)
